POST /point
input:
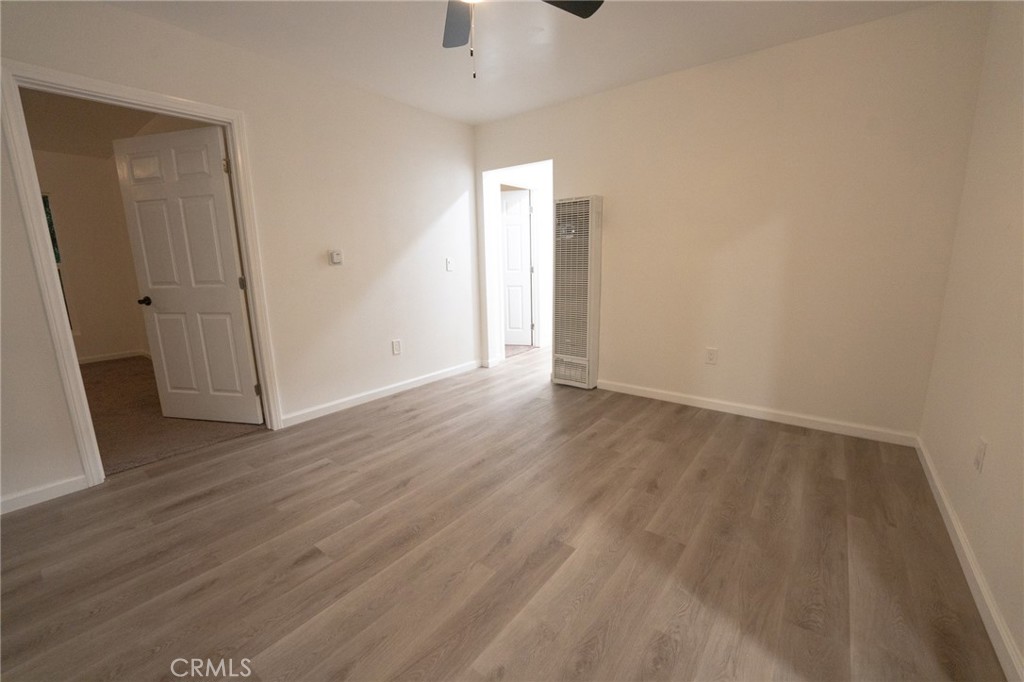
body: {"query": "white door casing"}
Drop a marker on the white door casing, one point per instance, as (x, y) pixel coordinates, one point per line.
(177, 203)
(517, 267)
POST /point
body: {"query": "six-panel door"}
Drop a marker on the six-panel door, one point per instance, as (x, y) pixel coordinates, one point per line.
(178, 208)
(516, 269)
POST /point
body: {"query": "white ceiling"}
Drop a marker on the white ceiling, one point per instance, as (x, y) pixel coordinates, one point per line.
(529, 54)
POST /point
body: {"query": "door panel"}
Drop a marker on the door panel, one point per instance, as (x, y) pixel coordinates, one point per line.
(155, 243)
(175, 352)
(515, 219)
(201, 227)
(219, 344)
(514, 302)
(190, 162)
(181, 222)
(145, 168)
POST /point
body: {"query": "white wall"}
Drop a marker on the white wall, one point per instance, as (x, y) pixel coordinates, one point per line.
(792, 207)
(37, 444)
(976, 382)
(333, 167)
(97, 267)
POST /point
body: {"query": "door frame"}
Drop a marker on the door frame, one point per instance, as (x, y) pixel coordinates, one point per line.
(538, 177)
(16, 75)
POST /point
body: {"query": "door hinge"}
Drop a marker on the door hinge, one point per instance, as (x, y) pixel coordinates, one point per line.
(241, 283)
(532, 326)
(532, 270)
(226, 165)
(259, 390)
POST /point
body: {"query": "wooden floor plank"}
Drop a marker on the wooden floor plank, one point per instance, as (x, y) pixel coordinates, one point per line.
(697, 488)
(531, 643)
(946, 617)
(494, 526)
(815, 630)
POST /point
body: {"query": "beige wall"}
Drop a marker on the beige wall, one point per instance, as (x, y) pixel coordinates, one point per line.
(976, 383)
(332, 167)
(97, 267)
(168, 124)
(37, 444)
(793, 207)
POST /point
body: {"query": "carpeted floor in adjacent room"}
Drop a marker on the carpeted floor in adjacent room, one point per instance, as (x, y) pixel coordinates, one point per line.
(130, 430)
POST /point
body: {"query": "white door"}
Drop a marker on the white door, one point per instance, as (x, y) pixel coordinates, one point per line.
(517, 269)
(180, 218)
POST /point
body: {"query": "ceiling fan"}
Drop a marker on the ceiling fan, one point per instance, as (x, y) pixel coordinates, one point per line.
(458, 22)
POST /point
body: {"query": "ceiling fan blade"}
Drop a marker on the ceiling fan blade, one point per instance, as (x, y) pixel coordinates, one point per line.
(457, 23)
(581, 8)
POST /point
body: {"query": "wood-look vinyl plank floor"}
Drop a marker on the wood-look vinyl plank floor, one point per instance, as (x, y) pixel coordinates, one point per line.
(493, 526)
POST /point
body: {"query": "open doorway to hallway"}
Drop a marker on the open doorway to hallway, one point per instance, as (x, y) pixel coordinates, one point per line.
(72, 143)
(518, 218)
(519, 295)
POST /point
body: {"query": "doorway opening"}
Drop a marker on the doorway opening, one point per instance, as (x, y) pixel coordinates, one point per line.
(518, 219)
(160, 113)
(122, 239)
(519, 300)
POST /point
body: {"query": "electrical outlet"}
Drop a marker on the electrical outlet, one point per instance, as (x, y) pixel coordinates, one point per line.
(396, 347)
(979, 454)
(711, 356)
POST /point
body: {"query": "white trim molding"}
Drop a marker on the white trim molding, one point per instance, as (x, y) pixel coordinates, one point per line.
(26, 184)
(998, 631)
(757, 412)
(16, 75)
(310, 413)
(26, 498)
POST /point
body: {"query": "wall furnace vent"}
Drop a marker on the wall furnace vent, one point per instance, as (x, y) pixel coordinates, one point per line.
(577, 308)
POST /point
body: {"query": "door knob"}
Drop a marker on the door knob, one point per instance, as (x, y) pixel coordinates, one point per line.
(145, 300)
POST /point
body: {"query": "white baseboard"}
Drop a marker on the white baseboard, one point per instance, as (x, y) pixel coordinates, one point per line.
(998, 631)
(27, 498)
(351, 401)
(792, 418)
(113, 356)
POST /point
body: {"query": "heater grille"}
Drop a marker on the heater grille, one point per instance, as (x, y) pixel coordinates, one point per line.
(577, 263)
(572, 263)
